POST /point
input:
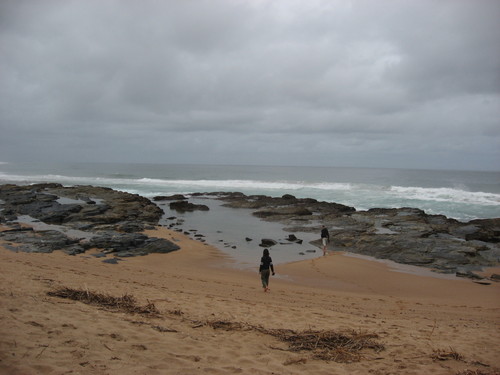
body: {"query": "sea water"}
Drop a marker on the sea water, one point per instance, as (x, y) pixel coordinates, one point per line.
(462, 195)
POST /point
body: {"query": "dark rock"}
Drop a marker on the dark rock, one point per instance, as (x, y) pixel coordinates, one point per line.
(40, 202)
(288, 211)
(112, 219)
(92, 210)
(184, 206)
(111, 260)
(39, 241)
(131, 253)
(488, 230)
(74, 250)
(482, 282)
(17, 228)
(115, 242)
(468, 274)
(131, 244)
(159, 245)
(267, 242)
(175, 197)
(130, 227)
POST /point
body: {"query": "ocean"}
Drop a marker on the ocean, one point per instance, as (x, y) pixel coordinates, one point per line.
(462, 195)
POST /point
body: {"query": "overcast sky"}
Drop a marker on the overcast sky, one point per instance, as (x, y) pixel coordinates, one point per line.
(368, 83)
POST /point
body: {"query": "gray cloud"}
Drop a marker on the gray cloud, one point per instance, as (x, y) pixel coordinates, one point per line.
(363, 83)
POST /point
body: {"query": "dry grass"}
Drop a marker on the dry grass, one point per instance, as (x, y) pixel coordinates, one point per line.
(444, 355)
(452, 354)
(328, 345)
(334, 346)
(228, 326)
(477, 372)
(127, 303)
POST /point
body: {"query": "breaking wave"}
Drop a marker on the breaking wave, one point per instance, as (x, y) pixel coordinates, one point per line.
(326, 191)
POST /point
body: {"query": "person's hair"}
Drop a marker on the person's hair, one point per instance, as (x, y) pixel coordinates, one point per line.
(266, 253)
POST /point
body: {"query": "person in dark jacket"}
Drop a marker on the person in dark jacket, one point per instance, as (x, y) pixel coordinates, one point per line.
(265, 269)
(325, 238)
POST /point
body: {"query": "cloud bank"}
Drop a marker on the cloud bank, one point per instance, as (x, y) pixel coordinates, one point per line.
(411, 84)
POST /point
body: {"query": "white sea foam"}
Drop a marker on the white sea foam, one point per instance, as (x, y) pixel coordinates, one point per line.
(446, 195)
(247, 184)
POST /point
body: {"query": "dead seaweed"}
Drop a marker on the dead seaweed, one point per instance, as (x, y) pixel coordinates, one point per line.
(327, 345)
(342, 347)
(126, 303)
(227, 326)
(444, 355)
(452, 354)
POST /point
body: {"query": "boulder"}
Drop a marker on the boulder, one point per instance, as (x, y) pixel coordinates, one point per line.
(184, 206)
(267, 242)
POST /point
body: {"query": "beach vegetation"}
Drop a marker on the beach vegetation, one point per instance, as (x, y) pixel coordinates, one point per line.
(126, 303)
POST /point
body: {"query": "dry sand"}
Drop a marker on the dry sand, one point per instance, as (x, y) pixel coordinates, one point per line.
(428, 325)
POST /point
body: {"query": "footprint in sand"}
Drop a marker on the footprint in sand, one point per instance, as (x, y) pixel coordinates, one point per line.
(314, 266)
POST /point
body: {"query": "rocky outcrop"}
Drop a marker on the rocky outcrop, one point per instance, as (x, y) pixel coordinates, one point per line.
(28, 240)
(281, 208)
(75, 219)
(405, 235)
(83, 217)
(78, 205)
(130, 244)
(181, 203)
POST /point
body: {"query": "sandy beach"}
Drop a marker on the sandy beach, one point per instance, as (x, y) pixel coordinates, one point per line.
(210, 318)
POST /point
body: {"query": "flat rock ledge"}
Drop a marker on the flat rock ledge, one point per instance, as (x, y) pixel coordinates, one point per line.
(48, 217)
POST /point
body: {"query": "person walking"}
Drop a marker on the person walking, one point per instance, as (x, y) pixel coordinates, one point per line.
(325, 238)
(265, 269)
